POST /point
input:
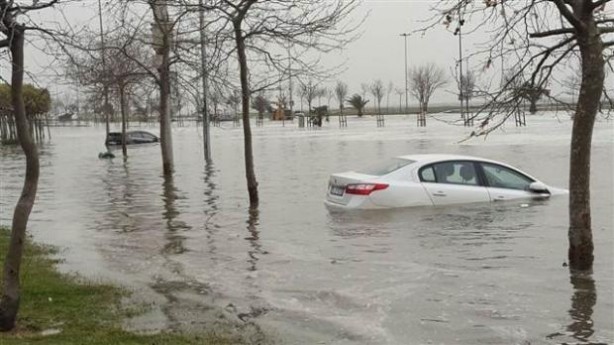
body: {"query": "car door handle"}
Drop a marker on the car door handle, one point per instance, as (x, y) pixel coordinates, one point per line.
(439, 194)
(499, 198)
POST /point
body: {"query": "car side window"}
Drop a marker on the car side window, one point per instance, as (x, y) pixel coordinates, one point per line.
(427, 174)
(456, 173)
(501, 177)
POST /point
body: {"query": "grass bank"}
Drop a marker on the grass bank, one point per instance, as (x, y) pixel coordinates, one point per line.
(61, 309)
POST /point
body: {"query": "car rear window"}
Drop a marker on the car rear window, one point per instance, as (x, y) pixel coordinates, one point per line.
(385, 167)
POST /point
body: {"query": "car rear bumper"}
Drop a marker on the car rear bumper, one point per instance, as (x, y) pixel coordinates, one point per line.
(355, 203)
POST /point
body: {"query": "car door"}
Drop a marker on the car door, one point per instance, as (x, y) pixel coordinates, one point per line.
(148, 137)
(453, 182)
(137, 138)
(504, 183)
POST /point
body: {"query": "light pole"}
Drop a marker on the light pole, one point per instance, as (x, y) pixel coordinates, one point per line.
(405, 35)
(458, 32)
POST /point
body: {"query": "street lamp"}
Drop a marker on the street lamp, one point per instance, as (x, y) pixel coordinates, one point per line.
(405, 35)
(458, 32)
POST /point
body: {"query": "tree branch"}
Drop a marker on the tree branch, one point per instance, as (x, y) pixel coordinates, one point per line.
(571, 18)
(598, 3)
(561, 31)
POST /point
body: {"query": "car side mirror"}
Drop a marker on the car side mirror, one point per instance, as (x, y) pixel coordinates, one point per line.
(538, 187)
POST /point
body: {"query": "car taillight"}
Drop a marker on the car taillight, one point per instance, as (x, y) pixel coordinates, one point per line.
(364, 188)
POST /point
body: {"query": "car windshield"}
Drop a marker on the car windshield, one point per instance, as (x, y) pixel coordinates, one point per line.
(386, 167)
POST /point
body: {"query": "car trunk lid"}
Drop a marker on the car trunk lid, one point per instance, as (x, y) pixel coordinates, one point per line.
(338, 183)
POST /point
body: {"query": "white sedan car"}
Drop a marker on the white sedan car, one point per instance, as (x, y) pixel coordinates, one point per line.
(433, 179)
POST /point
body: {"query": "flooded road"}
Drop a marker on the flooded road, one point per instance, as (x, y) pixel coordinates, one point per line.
(481, 273)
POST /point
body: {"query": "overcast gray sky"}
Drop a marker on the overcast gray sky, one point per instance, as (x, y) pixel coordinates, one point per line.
(377, 54)
(380, 54)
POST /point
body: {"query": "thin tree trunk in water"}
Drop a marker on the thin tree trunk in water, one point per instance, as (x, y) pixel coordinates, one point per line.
(165, 116)
(580, 233)
(252, 184)
(9, 302)
(122, 105)
(166, 140)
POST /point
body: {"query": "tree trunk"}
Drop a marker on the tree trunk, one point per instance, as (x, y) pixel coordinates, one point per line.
(580, 234)
(106, 108)
(166, 140)
(533, 106)
(9, 302)
(205, 76)
(122, 106)
(252, 184)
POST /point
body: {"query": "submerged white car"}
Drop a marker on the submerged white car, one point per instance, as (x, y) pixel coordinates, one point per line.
(433, 179)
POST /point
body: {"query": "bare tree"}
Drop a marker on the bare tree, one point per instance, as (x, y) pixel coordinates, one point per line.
(532, 93)
(466, 86)
(310, 92)
(330, 94)
(424, 81)
(118, 73)
(163, 37)
(377, 90)
(400, 92)
(341, 91)
(12, 36)
(525, 39)
(365, 89)
(389, 90)
(321, 92)
(257, 24)
(233, 100)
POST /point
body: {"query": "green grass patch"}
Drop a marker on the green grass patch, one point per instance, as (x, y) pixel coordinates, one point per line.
(82, 312)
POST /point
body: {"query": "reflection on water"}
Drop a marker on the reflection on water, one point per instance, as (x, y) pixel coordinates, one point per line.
(582, 302)
(174, 228)
(254, 239)
(467, 274)
(210, 209)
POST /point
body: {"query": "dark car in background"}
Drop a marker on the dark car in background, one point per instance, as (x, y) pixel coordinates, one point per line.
(132, 137)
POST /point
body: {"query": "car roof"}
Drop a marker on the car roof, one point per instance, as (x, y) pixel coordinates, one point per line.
(436, 157)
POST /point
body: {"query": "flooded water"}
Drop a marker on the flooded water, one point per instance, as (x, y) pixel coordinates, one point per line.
(472, 274)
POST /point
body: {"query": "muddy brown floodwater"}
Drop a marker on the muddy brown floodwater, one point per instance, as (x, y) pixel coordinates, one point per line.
(470, 274)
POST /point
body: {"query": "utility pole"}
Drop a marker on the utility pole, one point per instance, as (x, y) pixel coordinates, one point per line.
(405, 35)
(459, 32)
(105, 87)
(205, 75)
